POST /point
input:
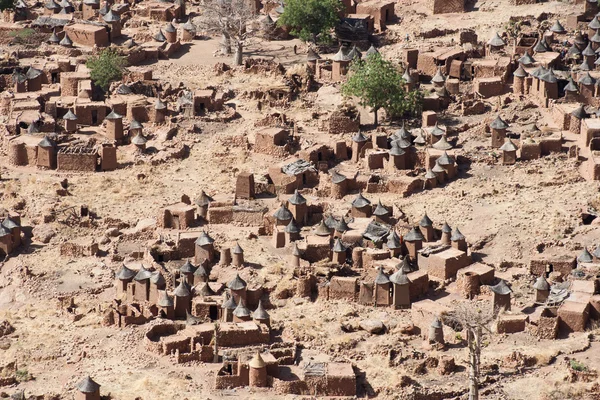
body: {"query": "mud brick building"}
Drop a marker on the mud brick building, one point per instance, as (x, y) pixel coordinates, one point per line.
(380, 10)
(77, 158)
(89, 34)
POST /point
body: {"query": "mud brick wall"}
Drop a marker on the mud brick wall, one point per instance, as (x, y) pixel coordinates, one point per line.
(243, 337)
(547, 328)
(229, 381)
(370, 258)
(204, 354)
(172, 344)
(88, 38)
(511, 325)
(68, 84)
(220, 215)
(342, 288)
(253, 297)
(419, 284)
(17, 154)
(247, 217)
(551, 145)
(339, 122)
(489, 87)
(404, 187)
(446, 6)
(530, 151)
(75, 250)
(563, 265)
(77, 162)
(290, 387)
(340, 386)
(316, 253)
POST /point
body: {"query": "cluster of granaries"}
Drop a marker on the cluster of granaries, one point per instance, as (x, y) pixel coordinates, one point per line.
(193, 297)
(10, 232)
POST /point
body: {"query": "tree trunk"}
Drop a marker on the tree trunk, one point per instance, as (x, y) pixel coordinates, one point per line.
(473, 343)
(375, 120)
(237, 56)
(216, 347)
(225, 44)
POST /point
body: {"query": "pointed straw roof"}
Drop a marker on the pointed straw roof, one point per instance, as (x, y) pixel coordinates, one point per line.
(585, 256)
(496, 41)
(257, 361)
(88, 385)
(586, 79)
(205, 290)
(399, 278)
(237, 249)
(372, 50)
(520, 72)
(393, 241)
(322, 229)
(442, 144)
(111, 17)
(204, 239)
(125, 273)
(501, 288)
(70, 116)
(541, 284)
(142, 274)
(425, 221)
(380, 210)
(183, 290)
(159, 36)
(509, 146)
(170, 28)
(312, 55)
(229, 303)
(338, 246)
(187, 268)
(342, 226)
(237, 283)
(260, 313)
(557, 28)
(446, 228)
(203, 200)
(457, 235)
(54, 39)
(381, 278)
(292, 227)
(297, 198)
(499, 123)
(438, 77)
(445, 159)
(526, 59)
(360, 201)
(336, 177)
(283, 213)
(241, 310)
(139, 139)
(358, 137)
(414, 235)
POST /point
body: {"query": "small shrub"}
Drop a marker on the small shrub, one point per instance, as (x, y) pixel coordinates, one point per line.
(106, 67)
(23, 375)
(22, 33)
(458, 337)
(577, 366)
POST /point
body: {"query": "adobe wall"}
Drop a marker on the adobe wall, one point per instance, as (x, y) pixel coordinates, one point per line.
(561, 264)
(77, 162)
(446, 6)
(343, 288)
(87, 38)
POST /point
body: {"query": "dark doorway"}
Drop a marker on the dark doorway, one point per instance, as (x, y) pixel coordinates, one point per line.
(94, 117)
(213, 313)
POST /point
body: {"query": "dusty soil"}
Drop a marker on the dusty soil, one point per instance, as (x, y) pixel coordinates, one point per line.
(511, 214)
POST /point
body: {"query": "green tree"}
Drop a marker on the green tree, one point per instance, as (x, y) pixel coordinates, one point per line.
(106, 67)
(378, 84)
(309, 19)
(7, 4)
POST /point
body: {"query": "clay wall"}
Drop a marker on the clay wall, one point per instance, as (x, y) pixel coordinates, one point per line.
(77, 159)
(343, 288)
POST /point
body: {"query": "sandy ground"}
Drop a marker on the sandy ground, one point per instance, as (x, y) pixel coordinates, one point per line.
(508, 211)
